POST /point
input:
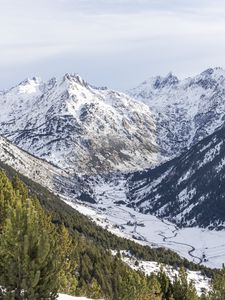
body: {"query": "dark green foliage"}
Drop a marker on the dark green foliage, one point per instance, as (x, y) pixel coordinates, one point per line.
(31, 256)
(182, 289)
(218, 290)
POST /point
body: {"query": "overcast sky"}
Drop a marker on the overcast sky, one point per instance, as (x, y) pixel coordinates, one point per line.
(115, 43)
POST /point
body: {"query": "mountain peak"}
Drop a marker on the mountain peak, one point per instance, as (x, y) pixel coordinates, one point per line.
(29, 85)
(193, 107)
(33, 80)
(213, 71)
(210, 78)
(168, 80)
(160, 82)
(74, 78)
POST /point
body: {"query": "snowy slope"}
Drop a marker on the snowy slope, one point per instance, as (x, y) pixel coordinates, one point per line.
(188, 190)
(42, 172)
(185, 110)
(79, 128)
(28, 165)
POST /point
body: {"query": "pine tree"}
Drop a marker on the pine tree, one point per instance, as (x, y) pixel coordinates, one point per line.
(218, 286)
(30, 258)
(67, 277)
(166, 285)
(155, 288)
(182, 289)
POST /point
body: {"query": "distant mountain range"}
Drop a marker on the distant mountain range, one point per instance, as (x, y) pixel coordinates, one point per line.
(186, 110)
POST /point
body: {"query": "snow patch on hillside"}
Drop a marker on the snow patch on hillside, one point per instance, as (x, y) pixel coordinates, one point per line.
(202, 283)
(67, 297)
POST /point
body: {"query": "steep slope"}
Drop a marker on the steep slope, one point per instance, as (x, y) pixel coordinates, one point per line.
(188, 190)
(185, 111)
(36, 169)
(44, 173)
(79, 128)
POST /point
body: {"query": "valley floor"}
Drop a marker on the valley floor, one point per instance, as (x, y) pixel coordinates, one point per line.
(196, 244)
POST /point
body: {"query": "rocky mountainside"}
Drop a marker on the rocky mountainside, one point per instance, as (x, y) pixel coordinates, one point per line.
(79, 128)
(186, 110)
(188, 190)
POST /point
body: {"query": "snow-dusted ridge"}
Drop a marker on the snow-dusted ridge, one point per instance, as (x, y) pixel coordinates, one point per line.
(186, 110)
(188, 190)
(52, 177)
(28, 165)
(80, 128)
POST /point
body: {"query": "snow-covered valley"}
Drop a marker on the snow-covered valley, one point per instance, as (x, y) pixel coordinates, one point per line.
(111, 212)
(199, 245)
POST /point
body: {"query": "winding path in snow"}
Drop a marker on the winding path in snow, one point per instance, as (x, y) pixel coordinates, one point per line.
(175, 232)
(116, 192)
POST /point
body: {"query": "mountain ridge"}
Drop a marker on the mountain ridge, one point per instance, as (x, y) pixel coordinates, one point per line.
(185, 111)
(78, 127)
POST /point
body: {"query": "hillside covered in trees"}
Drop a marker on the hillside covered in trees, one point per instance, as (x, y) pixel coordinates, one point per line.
(46, 247)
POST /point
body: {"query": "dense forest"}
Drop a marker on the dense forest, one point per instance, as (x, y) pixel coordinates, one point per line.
(46, 247)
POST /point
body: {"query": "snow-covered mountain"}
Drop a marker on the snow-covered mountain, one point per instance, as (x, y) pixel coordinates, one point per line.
(186, 110)
(78, 127)
(188, 190)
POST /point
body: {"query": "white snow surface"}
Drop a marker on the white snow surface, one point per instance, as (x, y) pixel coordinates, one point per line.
(67, 297)
(78, 127)
(186, 110)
